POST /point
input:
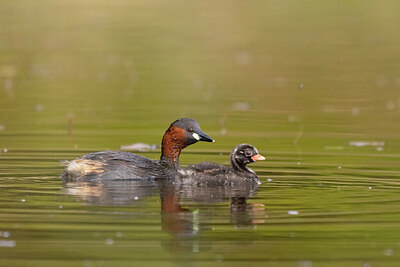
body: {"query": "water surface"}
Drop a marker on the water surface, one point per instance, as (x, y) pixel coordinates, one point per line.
(314, 86)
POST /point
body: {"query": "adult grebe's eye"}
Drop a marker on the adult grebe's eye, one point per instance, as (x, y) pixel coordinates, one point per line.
(190, 129)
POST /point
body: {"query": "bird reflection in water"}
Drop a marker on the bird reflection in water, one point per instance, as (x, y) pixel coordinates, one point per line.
(187, 211)
(112, 192)
(188, 225)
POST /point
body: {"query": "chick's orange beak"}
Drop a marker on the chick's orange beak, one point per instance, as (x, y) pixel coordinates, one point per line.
(257, 157)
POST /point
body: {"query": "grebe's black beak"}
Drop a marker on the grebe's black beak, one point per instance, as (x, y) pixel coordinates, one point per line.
(199, 135)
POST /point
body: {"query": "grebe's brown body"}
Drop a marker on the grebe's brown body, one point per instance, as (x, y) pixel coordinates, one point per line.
(124, 165)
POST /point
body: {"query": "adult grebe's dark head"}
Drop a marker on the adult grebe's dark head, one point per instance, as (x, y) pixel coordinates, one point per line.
(180, 134)
(242, 155)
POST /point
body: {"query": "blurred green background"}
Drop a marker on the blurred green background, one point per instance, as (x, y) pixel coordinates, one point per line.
(99, 74)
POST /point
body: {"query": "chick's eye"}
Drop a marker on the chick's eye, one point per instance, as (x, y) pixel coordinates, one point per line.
(190, 129)
(248, 153)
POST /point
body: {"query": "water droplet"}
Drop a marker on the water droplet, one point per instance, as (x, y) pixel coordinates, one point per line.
(243, 58)
(219, 258)
(390, 105)
(305, 263)
(380, 81)
(293, 212)
(38, 108)
(291, 118)
(87, 263)
(355, 111)
(388, 252)
(241, 106)
(23, 200)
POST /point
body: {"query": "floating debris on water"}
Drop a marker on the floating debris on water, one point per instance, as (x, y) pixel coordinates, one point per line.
(301, 86)
(102, 76)
(112, 58)
(243, 58)
(60, 207)
(5, 234)
(339, 167)
(293, 212)
(355, 111)
(118, 234)
(370, 187)
(367, 143)
(388, 252)
(269, 180)
(381, 80)
(7, 243)
(38, 108)
(23, 200)
(241, 106)
(333, 147)
(291, 118)
(9, 88)
(390, 105)
(109, 241)
(219, 258)
(141, 147)
(379, 148)
(136, 198)
(2, 127)
(305, 263)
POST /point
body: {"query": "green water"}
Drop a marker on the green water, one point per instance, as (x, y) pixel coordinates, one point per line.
(314, 85)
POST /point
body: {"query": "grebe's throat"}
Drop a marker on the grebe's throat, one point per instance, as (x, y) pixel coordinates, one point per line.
(173, 142)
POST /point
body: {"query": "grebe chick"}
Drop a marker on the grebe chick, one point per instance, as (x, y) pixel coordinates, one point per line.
(124, 165)
(213, 174)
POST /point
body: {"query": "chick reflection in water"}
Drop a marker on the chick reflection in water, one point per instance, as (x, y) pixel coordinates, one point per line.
(188, 225)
